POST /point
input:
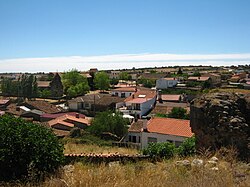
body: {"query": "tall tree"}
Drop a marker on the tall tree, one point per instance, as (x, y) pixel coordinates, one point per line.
(74, 83)
(102, 81)
(109, 122)
(56, 86)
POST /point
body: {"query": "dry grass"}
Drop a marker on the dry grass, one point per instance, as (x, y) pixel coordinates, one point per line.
(86, 148)
(145, 174)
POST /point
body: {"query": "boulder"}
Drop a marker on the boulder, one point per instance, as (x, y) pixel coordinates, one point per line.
(222, 120)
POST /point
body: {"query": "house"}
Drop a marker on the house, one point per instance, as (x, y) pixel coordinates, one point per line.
(92, 103)
(166, 107)
(171, 130)
(14, 109)
(47, 117)
(41, 105)
(123, 92)
(199, 79)
(165, 83)
(170, 98)
(43, 85)
(34, 114)
(114, 74)
(138, 104)
(4, 103)
(215, 78)
(67, 122)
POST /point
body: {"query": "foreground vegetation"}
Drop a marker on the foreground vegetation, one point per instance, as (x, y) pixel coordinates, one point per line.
(166, 173)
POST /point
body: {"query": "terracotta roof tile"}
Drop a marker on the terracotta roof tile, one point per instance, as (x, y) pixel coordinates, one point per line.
(171, 126)
(149, 94)
(63, 120)
(136, 126)
(167, 97)
(125, 89)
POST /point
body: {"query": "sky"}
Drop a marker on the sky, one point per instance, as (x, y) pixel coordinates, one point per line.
(58, 35)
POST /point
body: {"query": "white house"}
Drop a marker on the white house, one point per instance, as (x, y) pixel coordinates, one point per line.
(172, 130)
(123, 92)
(114, 74)
(165, 83)
(139, 103)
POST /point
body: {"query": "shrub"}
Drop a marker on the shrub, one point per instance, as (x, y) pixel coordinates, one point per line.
(27, 150)
(187, 148)
(160, 150)
(108, 121)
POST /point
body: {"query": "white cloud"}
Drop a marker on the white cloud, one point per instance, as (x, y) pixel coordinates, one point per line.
(119, 61)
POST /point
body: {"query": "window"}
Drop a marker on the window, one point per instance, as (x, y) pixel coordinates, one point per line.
(171, 141)
(139, 141)
(134, 139)
(86, 105)
(137, 106)
(129, 138)
(152, 139)
(122, 95)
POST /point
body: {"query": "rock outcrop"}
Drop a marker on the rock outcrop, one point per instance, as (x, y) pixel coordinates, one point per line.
(220, 120)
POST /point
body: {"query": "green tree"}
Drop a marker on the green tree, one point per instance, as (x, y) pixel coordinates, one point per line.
(187, 148)
(147, 82)
(179, 113)
(102, 81)
(125, 76)
(27, 149)
(74, 83)
(160, 150)
(44, 93)
(109, 122)
(196, 74)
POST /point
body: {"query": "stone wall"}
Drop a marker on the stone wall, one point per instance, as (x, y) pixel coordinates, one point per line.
(220, 120)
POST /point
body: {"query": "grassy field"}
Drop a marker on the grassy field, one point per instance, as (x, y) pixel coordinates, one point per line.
(85, 148)
(146, 174)
(230, 172)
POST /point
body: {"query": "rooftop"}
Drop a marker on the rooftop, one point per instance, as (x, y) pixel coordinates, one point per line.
(170, 126)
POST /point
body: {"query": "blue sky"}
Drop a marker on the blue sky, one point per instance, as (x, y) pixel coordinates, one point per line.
(65, 28)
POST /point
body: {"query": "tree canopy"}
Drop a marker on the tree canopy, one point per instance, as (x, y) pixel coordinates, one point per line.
(102, 81)
(27, 148)
(74, 83)
(125, 76)
(109, 122)
(179, 113)
(25, 87)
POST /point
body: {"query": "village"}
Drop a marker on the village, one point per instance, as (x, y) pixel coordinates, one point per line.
(155, 102)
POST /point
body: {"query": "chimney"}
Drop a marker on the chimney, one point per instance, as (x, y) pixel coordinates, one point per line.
(133, 96)
(145, 123)
(160, 96)
(77, 115)
(17, 108)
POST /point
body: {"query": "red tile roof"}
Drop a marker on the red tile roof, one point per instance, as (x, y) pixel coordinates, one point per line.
(125, 89)
(4, 101)
(170, 78)
(63, 120)
(53, 116)
(199, 78)
(170, 126)
(149, 94)
(43, 84)
(166, 97)
(138, 100)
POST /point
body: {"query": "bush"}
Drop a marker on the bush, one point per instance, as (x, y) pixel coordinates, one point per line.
(160, 150)
(27, 150)
(110, 122)
(187, 148)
